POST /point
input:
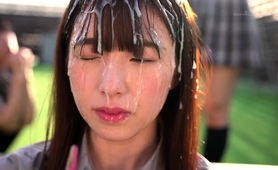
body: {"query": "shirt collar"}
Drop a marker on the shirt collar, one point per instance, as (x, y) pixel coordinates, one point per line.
(85, 163)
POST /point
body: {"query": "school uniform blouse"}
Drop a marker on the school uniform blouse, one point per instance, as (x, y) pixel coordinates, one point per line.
(30, 158)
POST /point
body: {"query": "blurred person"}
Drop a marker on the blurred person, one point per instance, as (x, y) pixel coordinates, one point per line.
(228, 28)
(16, 95)
(125, 80)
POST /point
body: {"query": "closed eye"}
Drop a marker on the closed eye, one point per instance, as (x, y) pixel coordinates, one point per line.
(141, 60)
(84, 52)
(88, 58)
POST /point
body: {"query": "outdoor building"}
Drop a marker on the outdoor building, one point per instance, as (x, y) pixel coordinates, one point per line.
(35, 25)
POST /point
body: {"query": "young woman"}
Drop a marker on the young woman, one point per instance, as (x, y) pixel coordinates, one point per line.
(125, 88)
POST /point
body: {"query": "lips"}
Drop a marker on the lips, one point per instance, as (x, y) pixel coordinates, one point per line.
(112, 115)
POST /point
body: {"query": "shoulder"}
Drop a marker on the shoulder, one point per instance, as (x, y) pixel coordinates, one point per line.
(203, 163)
(29, 157)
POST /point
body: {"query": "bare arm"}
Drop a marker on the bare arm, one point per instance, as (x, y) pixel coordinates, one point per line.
(19, 109)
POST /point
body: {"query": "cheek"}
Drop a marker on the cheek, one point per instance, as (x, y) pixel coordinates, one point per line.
(75, 72)
(158, 80)
(163, 75)
(82, 73)
(156, 86)
(81, 84)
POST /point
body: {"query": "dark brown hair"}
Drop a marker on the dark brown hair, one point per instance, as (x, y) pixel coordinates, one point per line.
(178, 125)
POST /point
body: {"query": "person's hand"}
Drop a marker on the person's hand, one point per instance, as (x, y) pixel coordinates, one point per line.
(27, 56)
(72, 161)
(23, 59)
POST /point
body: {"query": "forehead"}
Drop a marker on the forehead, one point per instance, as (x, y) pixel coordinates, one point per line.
(120, 24)
(151, 23)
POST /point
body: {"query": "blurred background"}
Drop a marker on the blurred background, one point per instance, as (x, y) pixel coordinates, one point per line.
(254, 112)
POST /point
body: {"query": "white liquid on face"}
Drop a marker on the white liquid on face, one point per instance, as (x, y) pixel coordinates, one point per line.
(136, 15)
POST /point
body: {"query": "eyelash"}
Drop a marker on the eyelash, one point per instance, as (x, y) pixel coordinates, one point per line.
(141, 60)
(136, 60)
(87, 59)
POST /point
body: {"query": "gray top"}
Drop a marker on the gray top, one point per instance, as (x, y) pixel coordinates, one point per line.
(30, 158)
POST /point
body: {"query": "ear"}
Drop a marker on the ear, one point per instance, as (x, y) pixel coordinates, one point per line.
(175, 80)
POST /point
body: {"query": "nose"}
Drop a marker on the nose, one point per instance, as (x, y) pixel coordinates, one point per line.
(113, 79)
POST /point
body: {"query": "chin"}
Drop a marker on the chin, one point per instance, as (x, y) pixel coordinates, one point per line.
(115, 134)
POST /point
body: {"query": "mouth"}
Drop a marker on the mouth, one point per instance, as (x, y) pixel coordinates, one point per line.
(112, 115)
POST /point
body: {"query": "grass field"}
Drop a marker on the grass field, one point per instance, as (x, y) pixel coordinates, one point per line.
(254, 127)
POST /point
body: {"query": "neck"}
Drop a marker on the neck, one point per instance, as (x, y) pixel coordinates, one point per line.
(129, 154)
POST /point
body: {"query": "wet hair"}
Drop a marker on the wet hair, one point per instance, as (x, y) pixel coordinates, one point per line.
(5, 26)
(178, 119)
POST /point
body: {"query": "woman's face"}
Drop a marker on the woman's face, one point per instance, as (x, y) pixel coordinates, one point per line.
(118, 95)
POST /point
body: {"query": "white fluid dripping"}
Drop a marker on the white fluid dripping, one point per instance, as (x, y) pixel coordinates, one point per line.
(194, 65)
(181, 106)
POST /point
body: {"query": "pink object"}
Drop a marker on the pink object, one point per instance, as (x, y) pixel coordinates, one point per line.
(72, 161)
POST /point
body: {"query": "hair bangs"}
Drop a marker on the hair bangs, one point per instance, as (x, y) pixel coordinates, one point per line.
(116, 25)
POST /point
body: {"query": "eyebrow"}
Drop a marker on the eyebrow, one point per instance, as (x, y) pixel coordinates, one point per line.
(152, 45)
(93, 41)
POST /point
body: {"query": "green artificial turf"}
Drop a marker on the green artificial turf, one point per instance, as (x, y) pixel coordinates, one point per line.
(254, 131)
(254, 121)
(253, 137)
